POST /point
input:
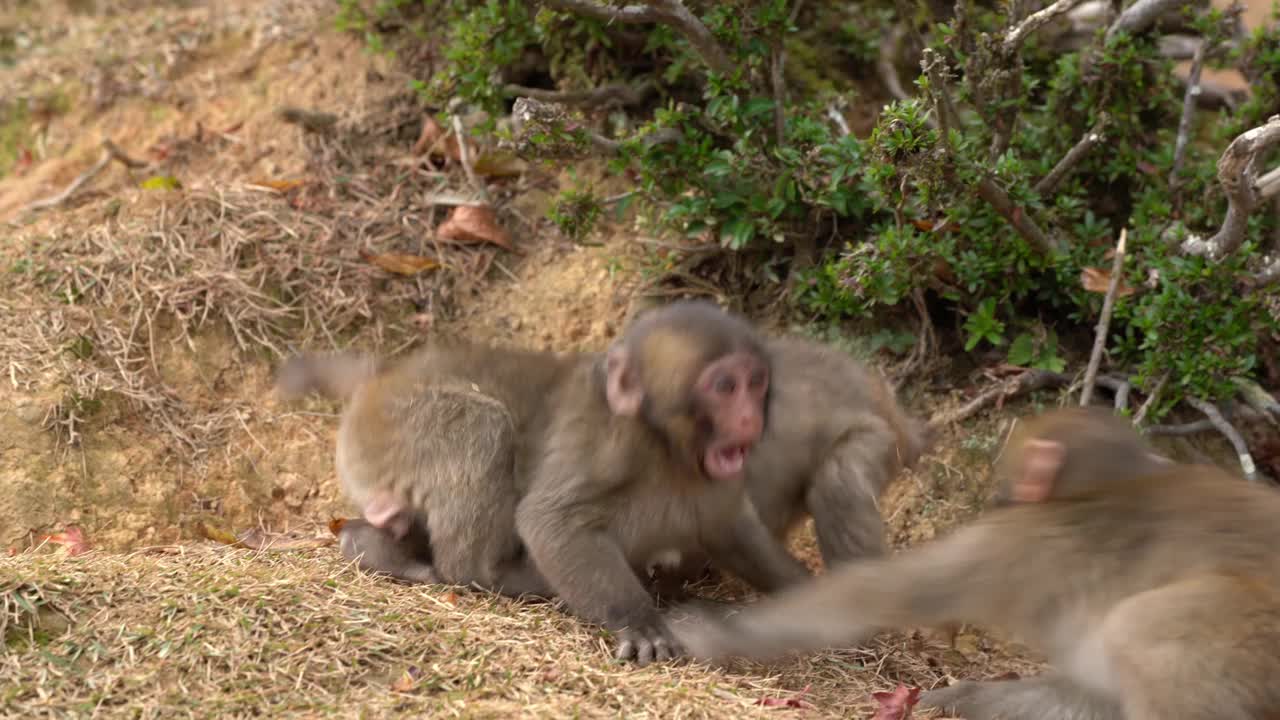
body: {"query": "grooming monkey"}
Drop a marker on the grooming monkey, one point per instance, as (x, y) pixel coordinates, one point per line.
(839, 438)
(1153, 587)
(560, 476)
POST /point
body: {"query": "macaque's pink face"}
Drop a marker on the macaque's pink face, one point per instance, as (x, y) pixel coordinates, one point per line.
(731, 392)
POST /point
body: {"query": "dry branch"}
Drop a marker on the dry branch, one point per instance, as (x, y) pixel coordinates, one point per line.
(994, 195)
(1104, 321)
(310, 120)
(1142, 15)
(1188, 110)
(1269, 184)
(1028, 381)
(1049, 183)
(619, 93)
(464, 156)
(1150, 402)
(667, 12)
(1231, 434)
(1014, 38)
(110, 151)
(1237, 172)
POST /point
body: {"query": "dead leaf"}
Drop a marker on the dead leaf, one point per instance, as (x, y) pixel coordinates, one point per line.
(499, 163)
(795, 702)
(23, 163)
(72, 538)
(400, 263)
(896, 705)
(335, 525)
(474, 224)
(407, 680)
(1098, 280)
(277, 185)
(451, 597)
(12, 551)
(430, 140)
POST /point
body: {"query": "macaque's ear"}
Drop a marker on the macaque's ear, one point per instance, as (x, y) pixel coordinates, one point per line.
(1041, 462)
(622, 387)
(384, 511)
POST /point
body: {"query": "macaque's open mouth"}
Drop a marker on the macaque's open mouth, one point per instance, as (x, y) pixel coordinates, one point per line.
(725, 462)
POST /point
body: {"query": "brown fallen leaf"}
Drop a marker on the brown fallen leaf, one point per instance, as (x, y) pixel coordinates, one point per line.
(277, 185)
(400, 263)
(796, 702)
(72, 538)
(469, 224)
(407, 680)
(12, 551)
(1098, 280)
(430, 139)
(335, 525)
(896, 705)
(451, 597)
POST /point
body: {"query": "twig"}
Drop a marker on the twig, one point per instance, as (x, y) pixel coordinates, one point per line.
(1122, 395)
(1269, 184)
(619, 93)
(886, 62)
(1014, 38)
(1188, 110)
(1142, 15)
(1104, 322)
(1028, 381)
(464, 155)
(1191, 428)
(838, 119)
(1150, 402)
(668, 12)
(1231, 434)
(110, 151)
(1049, 183)
(778, 59)
(988, 190)
(999, 200)
(1237, 169)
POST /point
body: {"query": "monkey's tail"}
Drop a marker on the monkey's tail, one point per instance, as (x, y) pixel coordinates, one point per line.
(335, 376)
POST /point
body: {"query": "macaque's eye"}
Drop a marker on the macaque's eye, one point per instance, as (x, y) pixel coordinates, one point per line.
(758, 379)
(724, 385)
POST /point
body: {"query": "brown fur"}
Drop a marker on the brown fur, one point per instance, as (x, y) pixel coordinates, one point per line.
(563, 476)
(1154, 588)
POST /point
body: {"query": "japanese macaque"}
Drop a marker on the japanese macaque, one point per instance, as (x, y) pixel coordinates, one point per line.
(562, 476)
(1152, 587)
(839, 438)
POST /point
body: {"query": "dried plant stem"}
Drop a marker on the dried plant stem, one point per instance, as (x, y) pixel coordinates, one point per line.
(1104, 322)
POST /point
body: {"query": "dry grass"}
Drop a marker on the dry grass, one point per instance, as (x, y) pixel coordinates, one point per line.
(205, 631)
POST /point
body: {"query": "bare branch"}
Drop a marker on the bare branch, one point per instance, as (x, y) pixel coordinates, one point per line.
(465, 157)
(988, 190)
(110, 151)
(1142, 15)
(1049, 183)
(1269, 184)
(1122, 395)
(778, 59)
(310, 120)
(1150, 402)
(1014, 38)
(616, 93)
(1188, 110)
(1104, 321)
(1000, 201)
(1028, 381)
(667, 12)
(886, 62)
(1237, 170)
(1267, 275)
(1233, 436)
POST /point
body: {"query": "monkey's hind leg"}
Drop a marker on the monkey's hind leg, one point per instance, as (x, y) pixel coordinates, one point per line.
(843, 497)
(1051, 696)
(1201, 649)
(466, 460)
